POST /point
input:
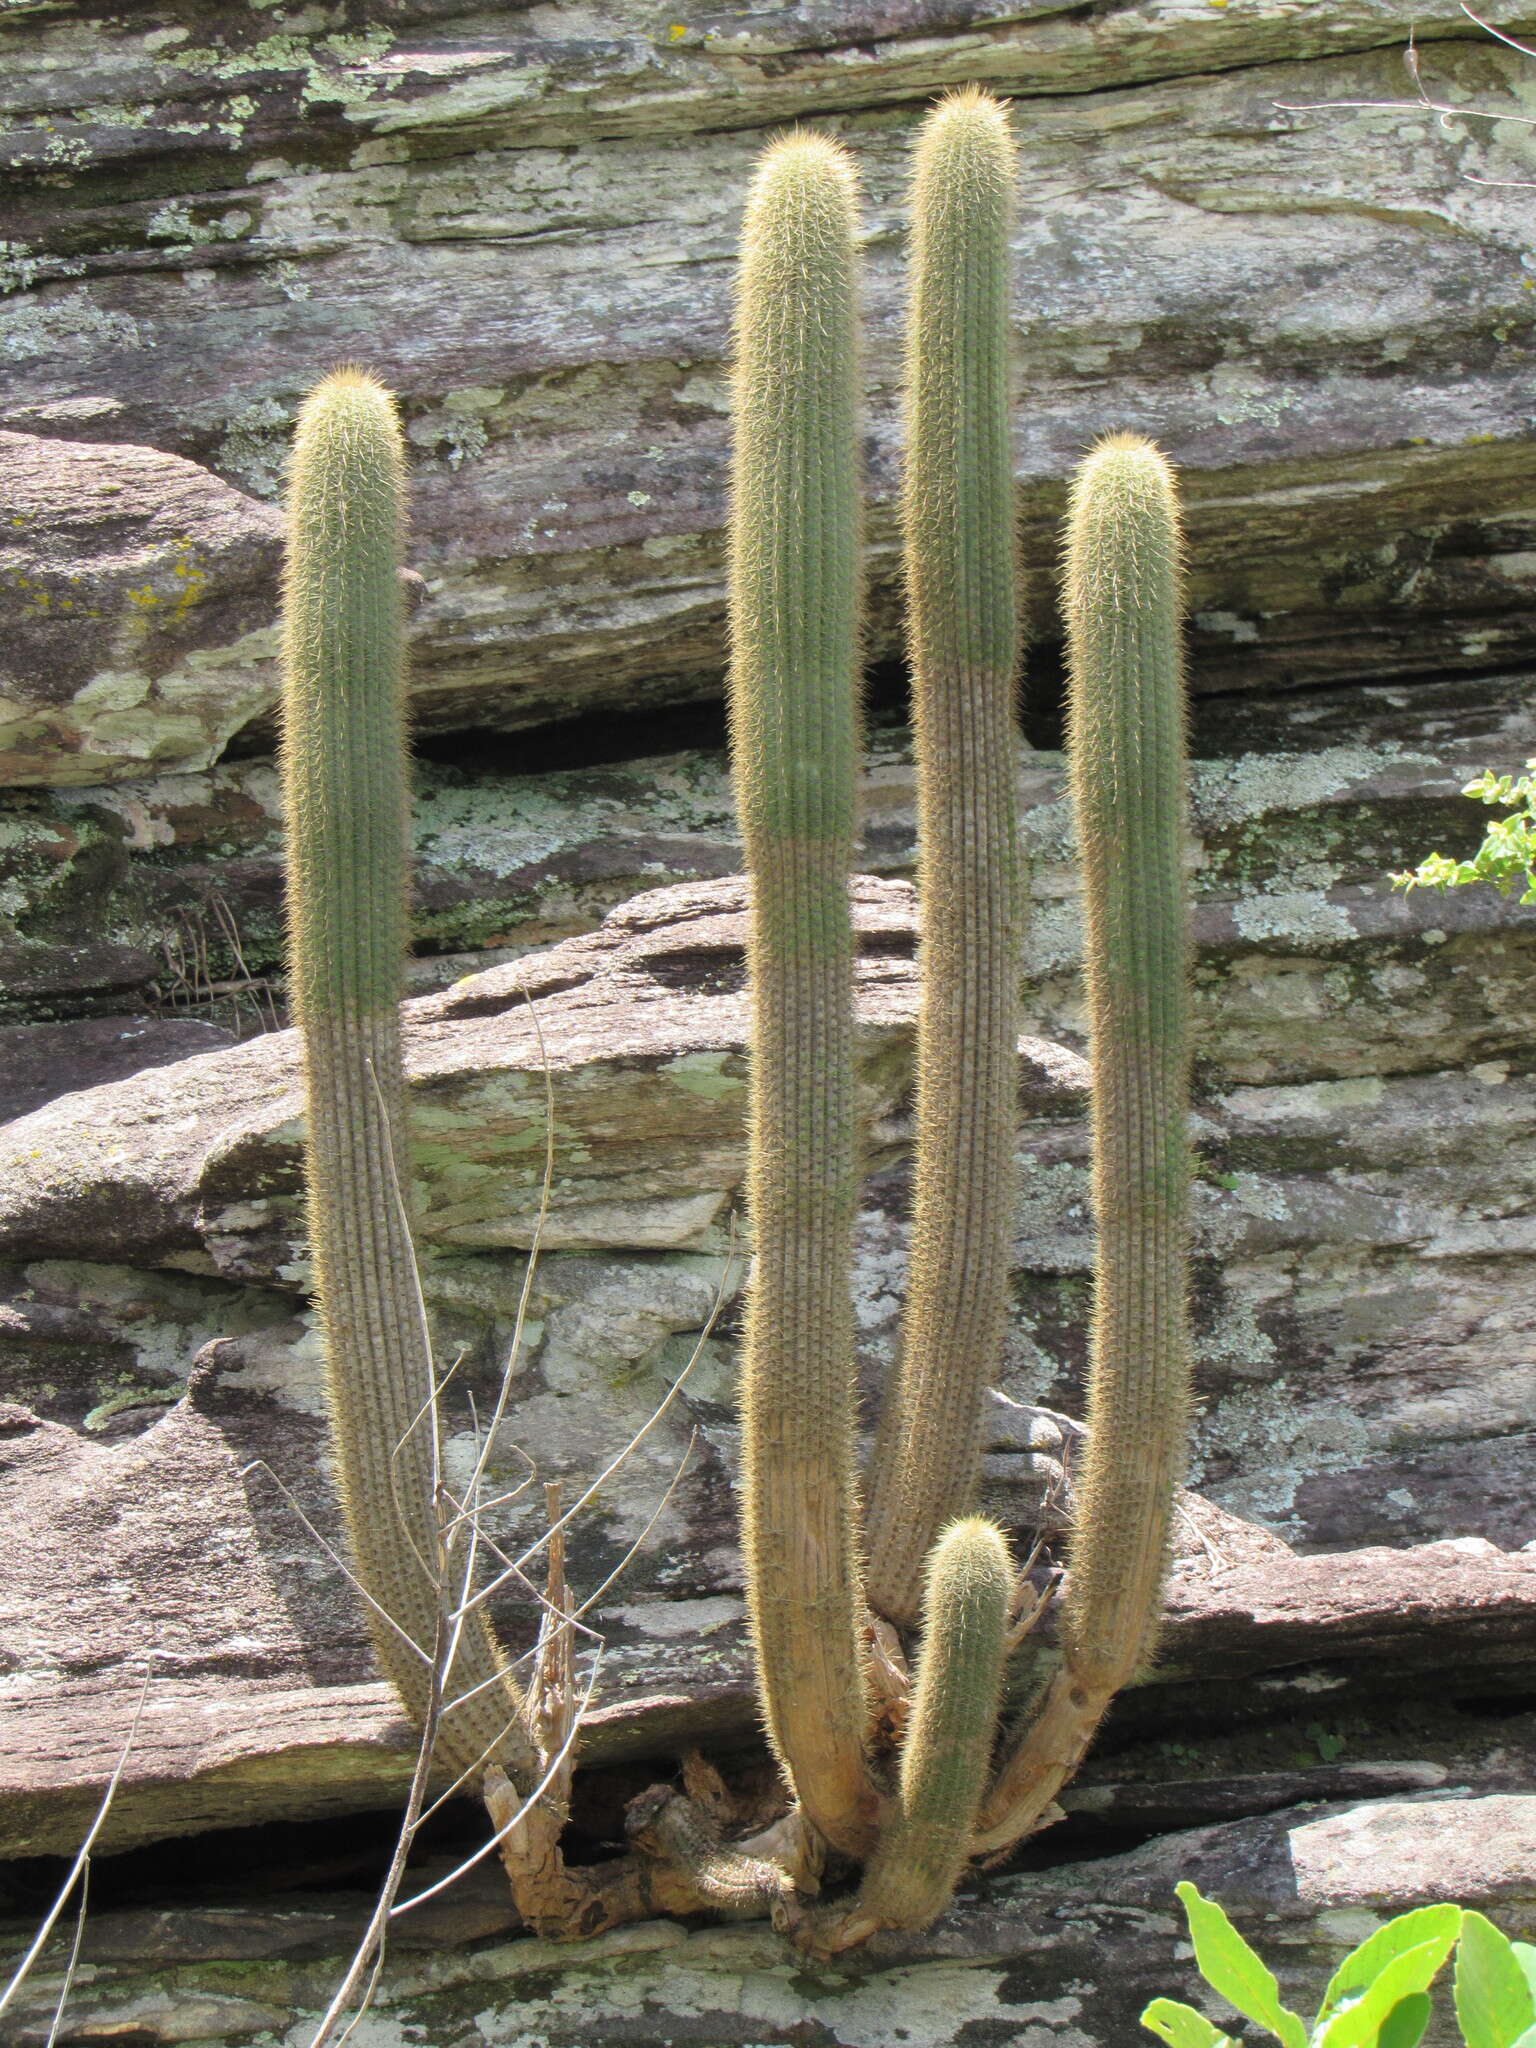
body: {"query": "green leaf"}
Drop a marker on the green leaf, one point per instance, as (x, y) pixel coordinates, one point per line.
(1182, 2027)
(1358, 2021)
(1494, 2002)
(1527, 2039)
(1506, 860)
(1404, 2025)
(1231, 1968)
(1409, 1930)
(1525, 1956)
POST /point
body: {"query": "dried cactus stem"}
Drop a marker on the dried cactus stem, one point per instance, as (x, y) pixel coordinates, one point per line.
(961, 572)
(1127, 739)
(344, 771)
(795, 729)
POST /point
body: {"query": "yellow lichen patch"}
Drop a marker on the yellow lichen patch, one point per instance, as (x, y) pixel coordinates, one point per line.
(192, 578)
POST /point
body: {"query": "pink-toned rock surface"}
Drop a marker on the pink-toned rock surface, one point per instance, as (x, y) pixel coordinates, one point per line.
(138, 611)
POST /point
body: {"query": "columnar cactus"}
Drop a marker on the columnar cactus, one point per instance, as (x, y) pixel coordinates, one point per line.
(345, 780)
(1127, 739)
(1128, 789)
(795, 730)
(963, 638)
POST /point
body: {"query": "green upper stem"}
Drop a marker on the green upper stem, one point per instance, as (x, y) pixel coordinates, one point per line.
(961, 571)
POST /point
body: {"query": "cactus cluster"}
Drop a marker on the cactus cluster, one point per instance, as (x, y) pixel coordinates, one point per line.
(834, 1565)
(913, 1821)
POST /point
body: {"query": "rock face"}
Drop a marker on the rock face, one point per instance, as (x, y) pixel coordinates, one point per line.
(90, 1050)
(526, 226)
(1365, 1121)
(524, 221)
(166, 890)
(1059, 1958)
(145, 1218)
(139, 619)
(644, 1029)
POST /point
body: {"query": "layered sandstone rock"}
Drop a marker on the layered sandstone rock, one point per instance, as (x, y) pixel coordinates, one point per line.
(1057, 1958)
(524, 221)
(525, 224)
(156, 1221)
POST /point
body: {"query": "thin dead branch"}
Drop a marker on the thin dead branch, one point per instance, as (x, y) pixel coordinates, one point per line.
(1445, 111)
(81, 1864)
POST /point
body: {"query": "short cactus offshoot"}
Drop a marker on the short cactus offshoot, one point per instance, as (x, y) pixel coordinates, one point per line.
(947, 1752)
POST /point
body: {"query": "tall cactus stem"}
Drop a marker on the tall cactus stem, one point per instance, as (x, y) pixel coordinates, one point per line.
(795, 731)
(1127, 740)
(961, 573)
(345, 780)
(951, 1732)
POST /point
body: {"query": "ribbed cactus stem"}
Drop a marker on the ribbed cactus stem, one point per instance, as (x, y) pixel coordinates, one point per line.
(795, 730)
(345, 780)
(952, 1729)
(1129, 773)
(961, 560)
(1127, 740)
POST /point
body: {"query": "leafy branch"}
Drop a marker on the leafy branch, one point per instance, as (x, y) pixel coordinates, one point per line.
(1378, 1997)
(1507, 857)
